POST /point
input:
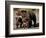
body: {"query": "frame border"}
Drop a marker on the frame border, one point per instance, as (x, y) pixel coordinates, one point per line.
(7, 3)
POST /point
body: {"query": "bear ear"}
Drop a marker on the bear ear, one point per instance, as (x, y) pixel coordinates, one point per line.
(23, 10)
(33, 9)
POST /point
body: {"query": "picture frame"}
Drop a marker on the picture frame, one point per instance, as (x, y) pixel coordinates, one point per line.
(10, 6)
